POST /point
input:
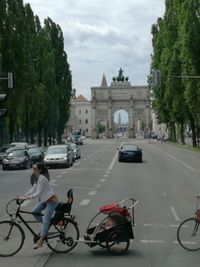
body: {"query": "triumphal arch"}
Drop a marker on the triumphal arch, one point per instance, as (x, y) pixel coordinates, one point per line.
(120, 95)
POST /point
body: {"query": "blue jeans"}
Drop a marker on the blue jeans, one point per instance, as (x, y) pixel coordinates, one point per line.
(49, 208)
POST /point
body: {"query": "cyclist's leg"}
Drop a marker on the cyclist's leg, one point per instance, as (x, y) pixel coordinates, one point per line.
(50, 208)
(37, 209)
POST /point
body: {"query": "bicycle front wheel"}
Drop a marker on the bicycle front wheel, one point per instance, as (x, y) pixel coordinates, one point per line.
(11, 238)
(188, 234)
(63, 238)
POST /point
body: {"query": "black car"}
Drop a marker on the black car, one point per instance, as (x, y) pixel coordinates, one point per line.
(76, 151)
(130, 152)
(36, 154)
(17, 159)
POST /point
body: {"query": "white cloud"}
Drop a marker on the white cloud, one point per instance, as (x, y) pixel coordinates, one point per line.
(101, 36)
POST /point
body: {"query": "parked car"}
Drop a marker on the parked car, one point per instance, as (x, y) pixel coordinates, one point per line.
(79, 141)
(17, 159)
(76, 151)
(130, 152)
(3, 153)
(17, 145)
(36, 154)
(59, 155)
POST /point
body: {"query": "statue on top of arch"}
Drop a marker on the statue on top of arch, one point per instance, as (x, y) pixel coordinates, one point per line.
(120, 77)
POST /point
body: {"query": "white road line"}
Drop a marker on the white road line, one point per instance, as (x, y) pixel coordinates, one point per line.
(108, 172)
(174, 158)
(176, 217)
(102, 180)
(152, 241)
(98, 185)
(58, 176)
(113, 161)
(164, 193)
(81, 188)
(92, 193)
(84, 202)
(87, 169)
(64, 172)
(105, 175)
(153, 225)
(25, 203)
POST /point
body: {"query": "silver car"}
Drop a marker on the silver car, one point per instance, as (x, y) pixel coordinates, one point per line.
(59, 155)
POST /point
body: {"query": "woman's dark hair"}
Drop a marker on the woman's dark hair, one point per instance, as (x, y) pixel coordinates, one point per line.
(43, 169)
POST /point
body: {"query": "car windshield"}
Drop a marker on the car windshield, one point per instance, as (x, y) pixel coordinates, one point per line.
(56, 150)
(130, 147)
(34, 150)
(17, 153)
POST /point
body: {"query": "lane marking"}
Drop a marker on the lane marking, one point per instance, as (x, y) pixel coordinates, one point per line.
(102, 180)
(25, 203)
(176, 217)
(98, 185)
(164, 193)
(87, 169)
(82, 188)
(84, 202)
(179, 161)
(153, 225)
(152, 241)
(92, 193)
(105, 175)
(113, 161)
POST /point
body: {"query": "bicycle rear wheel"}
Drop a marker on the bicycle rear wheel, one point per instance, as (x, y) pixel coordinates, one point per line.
(63, 238)
(11, 238)
(188, 234)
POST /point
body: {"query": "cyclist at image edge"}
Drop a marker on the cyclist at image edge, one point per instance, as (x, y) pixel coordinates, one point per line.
(48, 201)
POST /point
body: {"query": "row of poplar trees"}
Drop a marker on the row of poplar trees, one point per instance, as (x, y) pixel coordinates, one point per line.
(38, 105)
(176, 54)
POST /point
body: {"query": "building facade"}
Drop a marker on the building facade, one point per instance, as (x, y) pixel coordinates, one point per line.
(80, 116)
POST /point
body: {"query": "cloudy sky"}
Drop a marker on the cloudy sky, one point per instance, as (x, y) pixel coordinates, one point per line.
(103, 35)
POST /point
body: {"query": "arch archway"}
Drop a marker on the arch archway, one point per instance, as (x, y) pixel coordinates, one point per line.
(120, 95)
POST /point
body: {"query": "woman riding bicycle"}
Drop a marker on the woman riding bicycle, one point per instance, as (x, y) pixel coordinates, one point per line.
(48, 201)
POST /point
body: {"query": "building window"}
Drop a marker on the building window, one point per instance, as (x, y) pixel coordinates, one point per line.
(80, 121)
(86, 121)
(86, 111)
(86, 130)
(79, 111)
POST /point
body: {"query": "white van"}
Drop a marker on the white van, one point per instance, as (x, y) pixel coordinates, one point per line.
(17, 145)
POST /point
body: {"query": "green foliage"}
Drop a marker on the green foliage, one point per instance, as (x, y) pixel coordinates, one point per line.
(176, 52)
(39, 103)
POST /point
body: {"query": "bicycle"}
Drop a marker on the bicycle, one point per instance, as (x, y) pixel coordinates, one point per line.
(62, 236)
(188, 234)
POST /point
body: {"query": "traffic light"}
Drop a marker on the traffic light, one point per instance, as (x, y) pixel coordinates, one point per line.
(3, 111)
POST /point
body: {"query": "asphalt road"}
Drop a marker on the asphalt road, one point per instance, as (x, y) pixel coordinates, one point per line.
(165, 184)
